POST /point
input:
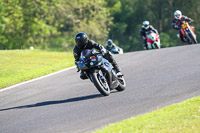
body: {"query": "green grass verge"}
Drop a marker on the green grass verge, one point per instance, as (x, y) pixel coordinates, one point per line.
(177, 118)
(21, 65)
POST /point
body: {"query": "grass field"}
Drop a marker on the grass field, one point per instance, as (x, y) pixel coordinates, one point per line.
(177, 118)
(21, 65)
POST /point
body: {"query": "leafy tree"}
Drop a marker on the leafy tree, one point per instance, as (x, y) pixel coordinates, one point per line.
(54, 23)
(37, 22)
(130, 15)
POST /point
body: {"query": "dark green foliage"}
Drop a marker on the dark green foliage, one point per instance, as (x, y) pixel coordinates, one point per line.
(129, 17)
(52, 24)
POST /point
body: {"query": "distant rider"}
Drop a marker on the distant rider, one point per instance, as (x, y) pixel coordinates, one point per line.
(144, 30)
(82, 43)
(178, 21)
(109, 45)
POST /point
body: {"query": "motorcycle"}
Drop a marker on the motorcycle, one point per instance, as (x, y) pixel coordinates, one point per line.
(153, 40)
(100, 72)
(188, 33)
(116, 50)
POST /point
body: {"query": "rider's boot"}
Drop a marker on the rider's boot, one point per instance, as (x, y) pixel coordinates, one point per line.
(183, 39)
(83, 75)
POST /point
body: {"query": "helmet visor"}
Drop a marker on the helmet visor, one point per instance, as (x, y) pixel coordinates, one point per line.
(81, 42)
(146, 26)
(109, 43)
(178, 16)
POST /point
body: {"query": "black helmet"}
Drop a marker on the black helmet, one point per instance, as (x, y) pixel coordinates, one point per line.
(81, 39)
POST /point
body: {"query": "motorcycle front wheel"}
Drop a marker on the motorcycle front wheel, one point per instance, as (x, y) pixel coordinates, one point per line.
(156, 46)
(100, 83)
(194, 41)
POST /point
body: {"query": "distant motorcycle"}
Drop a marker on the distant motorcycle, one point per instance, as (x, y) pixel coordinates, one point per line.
(153, 40)
(188, 33)
(116, 50)
(100, 72)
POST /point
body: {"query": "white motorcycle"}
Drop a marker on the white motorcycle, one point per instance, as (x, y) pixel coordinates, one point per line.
(116, 50)
(153, 40)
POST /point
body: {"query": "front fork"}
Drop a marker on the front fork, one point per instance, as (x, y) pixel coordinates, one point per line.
(102, 77)
(190, 32)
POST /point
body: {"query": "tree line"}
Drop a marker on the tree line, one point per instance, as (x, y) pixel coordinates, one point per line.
(52, 24)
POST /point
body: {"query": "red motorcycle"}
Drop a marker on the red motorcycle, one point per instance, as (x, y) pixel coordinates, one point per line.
(188, 33)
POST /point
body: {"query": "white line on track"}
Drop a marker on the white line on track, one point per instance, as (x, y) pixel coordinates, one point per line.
(4, 89)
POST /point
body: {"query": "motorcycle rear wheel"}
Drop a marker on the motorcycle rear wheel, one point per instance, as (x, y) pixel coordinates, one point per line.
(122, 84)
(101, 84)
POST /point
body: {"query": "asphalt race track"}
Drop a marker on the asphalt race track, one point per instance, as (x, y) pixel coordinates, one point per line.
(63, 103)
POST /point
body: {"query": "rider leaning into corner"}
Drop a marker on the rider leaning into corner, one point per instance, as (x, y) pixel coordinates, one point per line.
(146, 28)
(109, 45)
(178, 21)
(82, 43)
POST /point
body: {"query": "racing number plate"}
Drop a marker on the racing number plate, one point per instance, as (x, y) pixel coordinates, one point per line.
(184, 25)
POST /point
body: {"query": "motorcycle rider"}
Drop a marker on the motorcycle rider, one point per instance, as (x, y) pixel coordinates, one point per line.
(146, 28)
(109, 45)
(178, 21)
(82, 43)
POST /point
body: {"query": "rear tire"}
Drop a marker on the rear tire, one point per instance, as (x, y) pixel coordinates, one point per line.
(102, 86)
(122, 84)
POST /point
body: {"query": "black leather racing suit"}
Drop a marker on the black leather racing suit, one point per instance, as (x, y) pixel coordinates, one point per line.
(176, 24)
(143, 32)
(90, 45)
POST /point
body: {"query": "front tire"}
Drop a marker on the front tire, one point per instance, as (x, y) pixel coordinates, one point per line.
(101, 84)
(194, 41)
(156, 46)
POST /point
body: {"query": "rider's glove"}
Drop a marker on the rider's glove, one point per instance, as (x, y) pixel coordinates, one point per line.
(144, 37)
(177, 27)
(103, 50)
(190, 21)
(77, 63)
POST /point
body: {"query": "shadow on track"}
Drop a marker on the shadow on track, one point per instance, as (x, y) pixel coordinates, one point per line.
(76, 99)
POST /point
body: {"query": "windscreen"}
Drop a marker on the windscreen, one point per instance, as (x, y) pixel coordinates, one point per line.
(85, 54)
